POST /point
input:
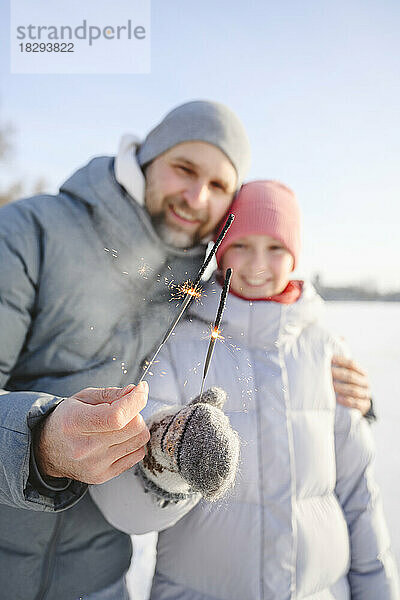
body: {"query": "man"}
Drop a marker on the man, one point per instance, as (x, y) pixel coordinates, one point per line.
(85, 284)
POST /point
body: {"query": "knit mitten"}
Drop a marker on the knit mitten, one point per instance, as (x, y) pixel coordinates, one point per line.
(191, 449)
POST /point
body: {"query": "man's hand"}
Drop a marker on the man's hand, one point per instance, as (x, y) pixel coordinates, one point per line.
(94, 435)
(350, 384)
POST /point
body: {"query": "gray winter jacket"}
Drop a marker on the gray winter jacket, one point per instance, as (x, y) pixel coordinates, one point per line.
(304, 520)
(84, 296)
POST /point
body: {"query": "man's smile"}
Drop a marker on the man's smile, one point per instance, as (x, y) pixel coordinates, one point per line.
(182, 216)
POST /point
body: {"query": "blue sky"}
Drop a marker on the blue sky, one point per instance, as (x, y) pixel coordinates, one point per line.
(316, 83)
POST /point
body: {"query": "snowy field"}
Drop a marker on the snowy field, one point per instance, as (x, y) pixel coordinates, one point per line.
(372, 330)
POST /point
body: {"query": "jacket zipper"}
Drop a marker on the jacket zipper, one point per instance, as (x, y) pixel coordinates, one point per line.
(260, 478)
(48, 564)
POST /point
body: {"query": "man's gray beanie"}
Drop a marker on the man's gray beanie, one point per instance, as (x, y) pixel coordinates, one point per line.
(204, 121)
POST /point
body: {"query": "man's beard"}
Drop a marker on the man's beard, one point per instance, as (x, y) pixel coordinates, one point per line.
(174, 237)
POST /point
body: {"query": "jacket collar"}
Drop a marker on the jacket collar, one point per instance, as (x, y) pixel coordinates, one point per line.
(260, 324)
(127, 169)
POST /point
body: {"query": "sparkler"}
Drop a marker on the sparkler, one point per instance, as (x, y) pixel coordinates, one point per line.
(221, 236)
(215, 334)
(190, 294)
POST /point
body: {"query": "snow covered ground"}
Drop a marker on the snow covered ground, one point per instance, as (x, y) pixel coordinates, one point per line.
(372, 330)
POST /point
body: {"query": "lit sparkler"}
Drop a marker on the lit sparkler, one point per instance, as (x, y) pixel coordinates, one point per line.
(187, 288)
(189, 296)
(216, 333)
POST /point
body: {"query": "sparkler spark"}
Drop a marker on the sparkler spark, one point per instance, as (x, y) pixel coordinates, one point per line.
(216, 334)
(195, 292)
(187, 288)
(144, 270)
(147, 364)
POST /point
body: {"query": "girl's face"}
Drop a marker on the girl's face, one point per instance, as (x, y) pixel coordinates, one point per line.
(261, 266)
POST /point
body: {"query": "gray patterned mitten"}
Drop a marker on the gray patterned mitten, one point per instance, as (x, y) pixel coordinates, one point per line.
(191, 449)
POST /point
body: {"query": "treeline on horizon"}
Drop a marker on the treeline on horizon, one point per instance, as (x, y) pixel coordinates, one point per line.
(353, 292)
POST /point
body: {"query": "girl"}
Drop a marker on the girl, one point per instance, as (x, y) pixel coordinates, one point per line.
(304, 520)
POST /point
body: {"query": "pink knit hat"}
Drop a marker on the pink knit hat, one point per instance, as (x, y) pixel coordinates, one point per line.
(264, 207)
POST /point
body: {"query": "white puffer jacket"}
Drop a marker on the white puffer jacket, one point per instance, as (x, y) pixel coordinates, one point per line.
(304, 520)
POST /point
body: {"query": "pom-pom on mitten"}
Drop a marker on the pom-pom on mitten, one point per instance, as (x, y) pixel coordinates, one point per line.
(191, 449)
